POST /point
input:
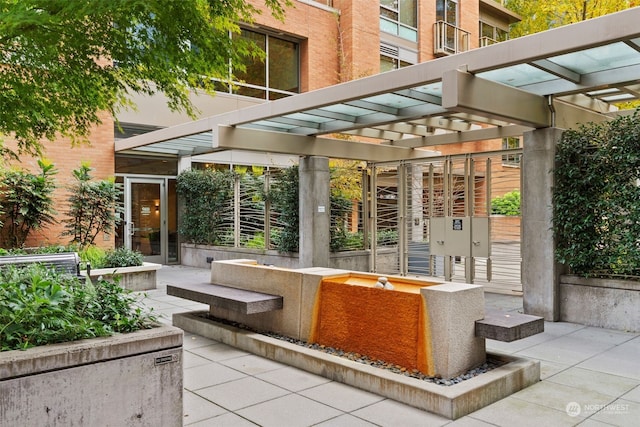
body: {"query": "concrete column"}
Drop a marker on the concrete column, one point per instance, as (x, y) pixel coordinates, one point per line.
(314, 212)
(540, 272)
(184, 163)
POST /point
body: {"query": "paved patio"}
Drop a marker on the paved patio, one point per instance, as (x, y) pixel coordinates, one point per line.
(590, 377)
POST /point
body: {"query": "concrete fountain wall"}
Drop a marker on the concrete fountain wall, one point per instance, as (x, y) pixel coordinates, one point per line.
(418, 324)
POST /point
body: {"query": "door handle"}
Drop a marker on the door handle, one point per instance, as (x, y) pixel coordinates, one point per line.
(132, 229)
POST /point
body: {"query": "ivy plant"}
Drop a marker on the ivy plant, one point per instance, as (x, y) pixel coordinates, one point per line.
(284, 198)
(206, 199)
(596, 216)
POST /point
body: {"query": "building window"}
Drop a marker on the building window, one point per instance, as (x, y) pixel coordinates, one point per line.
(511, 143)
(490, 34)
(448, 38)
(393, 57)
(400, 17)
(447, 11)
(278, 76)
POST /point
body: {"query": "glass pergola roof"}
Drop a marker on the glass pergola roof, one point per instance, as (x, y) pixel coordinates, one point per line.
(584, 67)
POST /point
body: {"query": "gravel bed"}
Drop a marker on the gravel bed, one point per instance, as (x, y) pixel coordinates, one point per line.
(361, 358)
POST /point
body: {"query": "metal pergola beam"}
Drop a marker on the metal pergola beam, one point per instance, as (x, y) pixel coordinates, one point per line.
(467, 93)
(227, 138)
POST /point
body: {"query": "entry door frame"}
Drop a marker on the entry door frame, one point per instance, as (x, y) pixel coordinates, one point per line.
(129, 226)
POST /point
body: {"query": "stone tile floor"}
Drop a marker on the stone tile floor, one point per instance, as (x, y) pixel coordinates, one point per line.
(590, 377)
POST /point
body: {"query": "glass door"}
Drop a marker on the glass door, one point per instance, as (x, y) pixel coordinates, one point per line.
(146, 224)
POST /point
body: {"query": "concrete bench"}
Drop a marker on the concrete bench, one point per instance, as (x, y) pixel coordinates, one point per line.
(508, 327)
(64, 262)
(234, 299)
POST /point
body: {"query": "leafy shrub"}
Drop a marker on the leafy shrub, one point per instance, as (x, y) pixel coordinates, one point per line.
(92, 255)
(26, 203)
(507, 204)
(284, 198)
(121, 257)
(340, 210)
(596, 217)
(387, 238)
(207, 196)
(39, 306)
(256, 242)
(94, 207)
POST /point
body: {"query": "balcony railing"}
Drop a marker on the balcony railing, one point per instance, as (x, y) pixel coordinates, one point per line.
(449, 39)
(487, 41)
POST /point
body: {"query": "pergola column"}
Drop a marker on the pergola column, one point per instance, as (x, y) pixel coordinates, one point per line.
(540, 272)
(315, 209)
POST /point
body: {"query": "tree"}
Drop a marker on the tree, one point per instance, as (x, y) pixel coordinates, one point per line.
(543, 15)
(65, 61)
(26, 202)
(94, 207)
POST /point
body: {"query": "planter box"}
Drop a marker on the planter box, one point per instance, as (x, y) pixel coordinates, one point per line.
(130, 379)
(140, 278)
(605, 303)
(202, 255)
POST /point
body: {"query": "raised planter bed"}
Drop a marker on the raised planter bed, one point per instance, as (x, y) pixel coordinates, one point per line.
(140, 278)
(201, 256)
(125, 380)
(605, 303)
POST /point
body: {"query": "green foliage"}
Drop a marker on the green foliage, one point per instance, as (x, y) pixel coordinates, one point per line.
(256, 242)
(387, 238)
(507, 204)
(596, 218)
(65, 62)
(208, 200)
(206, 195)
(94, 207)
(39, 306)
(92, 255)
(542, 15)
(340, 210)
(284, 198)
(26, 202)
(121, 257)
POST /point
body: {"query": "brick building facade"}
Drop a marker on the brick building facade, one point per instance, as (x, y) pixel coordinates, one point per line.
(327, 41)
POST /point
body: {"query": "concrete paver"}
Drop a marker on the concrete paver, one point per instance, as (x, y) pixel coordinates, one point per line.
(593, 370)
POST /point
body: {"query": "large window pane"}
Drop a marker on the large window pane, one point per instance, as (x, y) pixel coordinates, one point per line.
(256, 72)
(399, 17)
(283, 65)
(409, 13)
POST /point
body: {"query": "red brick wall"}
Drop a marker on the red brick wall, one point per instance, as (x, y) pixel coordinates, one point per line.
(360, 28)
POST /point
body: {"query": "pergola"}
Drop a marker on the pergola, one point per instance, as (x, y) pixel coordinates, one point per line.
(534, 86)
(557, 78)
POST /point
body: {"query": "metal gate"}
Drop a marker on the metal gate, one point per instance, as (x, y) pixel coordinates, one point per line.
(413, 197)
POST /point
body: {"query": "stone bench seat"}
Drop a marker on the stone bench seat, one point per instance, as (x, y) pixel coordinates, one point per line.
(508, 327)
(226, 297)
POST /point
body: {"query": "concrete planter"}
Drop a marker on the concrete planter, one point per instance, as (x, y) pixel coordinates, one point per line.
(140, 278)
(130, 379)
(605, 303)
(202, 255)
